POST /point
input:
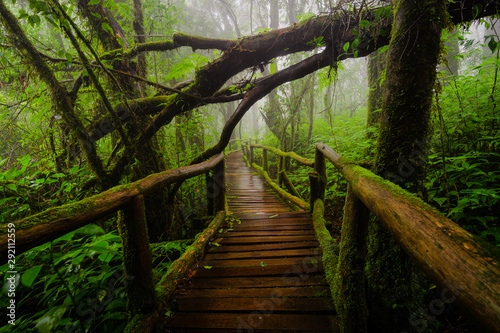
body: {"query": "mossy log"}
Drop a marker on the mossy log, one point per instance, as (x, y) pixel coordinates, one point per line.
(177, 271)
(298, 158)
(289, 185)
(450, 256)
(293, 199)
(329, 247)
(143, 323)
(55, 222)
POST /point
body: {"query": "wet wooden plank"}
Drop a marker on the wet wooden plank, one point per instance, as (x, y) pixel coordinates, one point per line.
(263, 247)
(268, 270)
(264, 254)
(299, 261)
(270, 222)
(277, 228)
(256, 282)
(267, 239)
(311, 304)
(257, 233)
(282, 292)
(250, 321)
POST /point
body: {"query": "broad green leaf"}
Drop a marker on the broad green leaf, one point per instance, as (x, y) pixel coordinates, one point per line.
(364, 24)
(207, 267)
(94, 2)
(4, 200)
(28, 277)
(107, 28)
(90, 229)
(11, 187)
(492, 44)
(66, 237)
(25, 160)
(48, 322)
(440, 201)
(346, 46)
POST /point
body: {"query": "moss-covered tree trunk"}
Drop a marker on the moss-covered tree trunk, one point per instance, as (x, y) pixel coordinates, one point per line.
(394, 282)
(148, 155)
(376, 66)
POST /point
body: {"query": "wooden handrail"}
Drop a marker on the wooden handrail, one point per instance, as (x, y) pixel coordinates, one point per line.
(294, 198)
(291, 154)
(466, 266)
(55, 222)
(451, 256)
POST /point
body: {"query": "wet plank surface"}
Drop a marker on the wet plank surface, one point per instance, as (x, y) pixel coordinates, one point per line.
(266, 273)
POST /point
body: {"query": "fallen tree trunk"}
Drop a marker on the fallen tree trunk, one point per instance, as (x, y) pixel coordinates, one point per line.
(453, 258)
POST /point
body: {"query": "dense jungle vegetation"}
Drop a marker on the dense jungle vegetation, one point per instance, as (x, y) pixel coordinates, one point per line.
(76, 282)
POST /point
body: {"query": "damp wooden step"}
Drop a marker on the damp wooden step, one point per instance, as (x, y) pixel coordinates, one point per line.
(265, 275)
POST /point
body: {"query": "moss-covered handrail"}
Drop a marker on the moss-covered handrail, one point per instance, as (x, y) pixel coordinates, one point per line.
(293, 197)
(55, 222)
(452, 257)
(291, 154)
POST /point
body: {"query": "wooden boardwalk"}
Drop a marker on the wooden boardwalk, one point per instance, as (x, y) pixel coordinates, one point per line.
(265, 276)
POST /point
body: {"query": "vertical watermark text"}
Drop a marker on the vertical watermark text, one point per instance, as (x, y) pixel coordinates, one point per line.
(12, 276)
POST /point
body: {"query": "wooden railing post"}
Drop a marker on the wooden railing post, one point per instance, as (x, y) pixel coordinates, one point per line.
(251, 155)
(210, 188)
(320, 165)
(317, 178)
(264, 160)
(137, 259)
(220, 186)
(280, 170)
(216, 189)
(350, 293)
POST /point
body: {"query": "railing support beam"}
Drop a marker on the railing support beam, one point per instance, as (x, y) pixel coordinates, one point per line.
(350, 292)
(264, 160)
(137, 259)
(220, 186)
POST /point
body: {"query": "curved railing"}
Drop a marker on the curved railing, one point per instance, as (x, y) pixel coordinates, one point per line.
(451, 257)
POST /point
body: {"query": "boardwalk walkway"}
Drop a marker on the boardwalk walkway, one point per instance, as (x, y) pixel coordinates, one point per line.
(265, 276)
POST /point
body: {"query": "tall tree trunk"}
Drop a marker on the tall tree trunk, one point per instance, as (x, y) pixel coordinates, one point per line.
(140, 32)
(394, 282)
(376, 67)
(310, 114)
(158, 212)
(272, 115)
